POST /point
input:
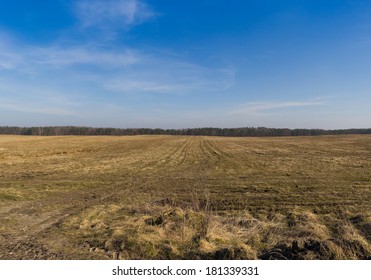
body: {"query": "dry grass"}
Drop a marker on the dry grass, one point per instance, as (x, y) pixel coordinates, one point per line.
(170, 197)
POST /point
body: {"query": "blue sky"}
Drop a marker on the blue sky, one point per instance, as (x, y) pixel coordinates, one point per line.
(177, 64)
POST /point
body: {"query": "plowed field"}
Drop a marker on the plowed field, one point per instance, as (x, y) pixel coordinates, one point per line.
(184, 197)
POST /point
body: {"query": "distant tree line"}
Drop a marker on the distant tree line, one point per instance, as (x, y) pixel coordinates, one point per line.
(206, 131)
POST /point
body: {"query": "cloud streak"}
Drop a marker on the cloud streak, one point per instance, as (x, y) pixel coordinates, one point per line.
(122, 70)
(271, 106)
(9, 58)
(119, 14)
(171, 77)
(83, 55)
(77, 82)
(32, 107)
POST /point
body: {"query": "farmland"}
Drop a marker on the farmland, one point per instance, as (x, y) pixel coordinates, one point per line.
(185, 197)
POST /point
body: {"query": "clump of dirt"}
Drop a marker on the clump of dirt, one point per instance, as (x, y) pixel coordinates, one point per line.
(236, 253)
(309, 248)
(316, 250)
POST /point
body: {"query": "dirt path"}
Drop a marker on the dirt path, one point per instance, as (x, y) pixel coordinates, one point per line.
(28, 223)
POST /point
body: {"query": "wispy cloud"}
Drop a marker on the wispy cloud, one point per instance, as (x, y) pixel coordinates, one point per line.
(8, 60)
(8, 56)
(269, 113)
(171, 77)
(46, 83)
(38, 98)
(32, 107)
(83, 55)
(122, 70)
(270, 106)
(112, 13)
(13, 55)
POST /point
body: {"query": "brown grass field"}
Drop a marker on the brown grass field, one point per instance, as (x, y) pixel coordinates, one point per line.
(184, 197)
